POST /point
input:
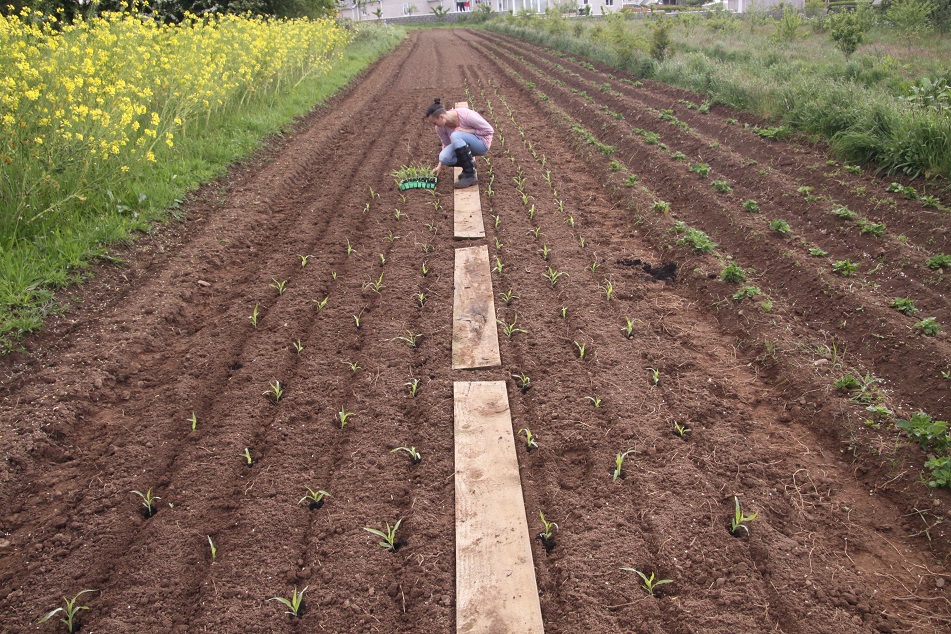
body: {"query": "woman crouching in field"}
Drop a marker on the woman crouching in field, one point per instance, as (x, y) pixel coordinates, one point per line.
(464, 134)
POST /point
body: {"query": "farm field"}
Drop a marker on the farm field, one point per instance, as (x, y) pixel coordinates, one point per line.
(307, 267)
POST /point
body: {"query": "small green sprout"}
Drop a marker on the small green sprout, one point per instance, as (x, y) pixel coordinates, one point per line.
(247, 456)
(254, 316)
(344, 417)
(524, 381)
(581, 348)
(608, 288)
(425, 269)
(498, 220)
(350, 249)
(194, 421)
(279, 286)
(530, 442)
(214, 551)
(649, 583)
(498, 244)
(303, 260)
(661, 206)
(314, 499)
(414, 456)
(389, 535)
(321, 303)
(816, 252)
(655, 375)
(747, 292)
(411, 339)
(534, 232)
(845, 267)
(739, 519)
(382, 259)
(391, 237)
(700, 169)
(354, 365)
(751, 206)
(552, 276)
(780, 226)
(148, 502)
(499, 267)
(509, 330)
(940, 261)
(732, 273)
(681, 430)
(69, 611)
(721, 186)
(549, 527)
(275, 391)
(570, 221)
(356, 321)
(582, 242)
(413, 386)
(628, 330)
(545, 251)
(508, 297)
(903, 305)
(376, 286)
(595, 400)
(294, 603)
(564, 312)
(298, 346)
(928, 326)
(619, 463)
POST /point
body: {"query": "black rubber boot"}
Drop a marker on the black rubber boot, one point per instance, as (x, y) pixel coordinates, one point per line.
(467, 163)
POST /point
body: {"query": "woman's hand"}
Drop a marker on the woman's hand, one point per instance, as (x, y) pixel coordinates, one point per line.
(437, 169)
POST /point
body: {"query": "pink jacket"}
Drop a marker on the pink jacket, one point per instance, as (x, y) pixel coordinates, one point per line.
(468, 119)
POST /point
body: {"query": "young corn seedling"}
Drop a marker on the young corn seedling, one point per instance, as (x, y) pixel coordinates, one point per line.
(247, 457)
(194, 421)
(391, 237)
(376, 286)
(545, 251)
(547, 536)
(431, 226)
(420, 298)
(594, 267)
(581, 348)
(531, 212)
(498, 221)
(530, 442)
(398, 214)
(655, 375)
(280, 287)
(628, 330)
(738, 523)
(498, 244)
(382, 259)
(425, 269)
(148, 502)
(298, 346)
(534, 232)
(333, 275)
(388, 535)
(304, 259)
(314, 499)
(254, 316)
(344, 417)
(508, 297)
(570, 221)
(564, 312)
(608, 288)
(681, 430)
(69, 611)
(214, 550)
(498, 265)
(649, 584)
(293, 604)
(524, 382)
(413, 386)
(619, 464)
(552, 276)
(411, 339)
(414, 456)
(275, 391)
(511, 329)
(350, 249)
(582, 242)
(353, 365)
(595, 400)
(321, 303)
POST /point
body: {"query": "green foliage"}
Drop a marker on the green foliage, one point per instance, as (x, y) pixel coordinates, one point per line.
(747, 292)
(70, 610)
(660, 40)
(738, 523)
(930, 434)
(721, 186)
(787, 27)
(911, 18)
(816, 252)
(928, 326)
(293, 604)
(649, 584)
(903, 305)
(846, 32)
(694, 238)
(940, 471)
(845, 267)
(733, 274)
(940, 261)
(780, 226)
(845, 213)
(700, 169)
(751, 206)
(388, 535)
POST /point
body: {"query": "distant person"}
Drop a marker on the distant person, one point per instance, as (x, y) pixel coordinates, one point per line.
(464, 134)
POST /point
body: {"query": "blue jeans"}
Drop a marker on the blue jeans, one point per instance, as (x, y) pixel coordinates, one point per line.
(461, 139)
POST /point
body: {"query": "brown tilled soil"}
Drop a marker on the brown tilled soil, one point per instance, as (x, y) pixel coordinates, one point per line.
(847, 537)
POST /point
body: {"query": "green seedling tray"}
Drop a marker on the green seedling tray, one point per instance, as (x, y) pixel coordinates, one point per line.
(418, 183)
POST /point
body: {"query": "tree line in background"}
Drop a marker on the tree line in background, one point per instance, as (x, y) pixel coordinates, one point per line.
(175, 10)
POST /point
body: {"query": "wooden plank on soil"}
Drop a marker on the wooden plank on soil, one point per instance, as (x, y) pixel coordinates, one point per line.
(496, 592)
(467, 207)
(475, 338)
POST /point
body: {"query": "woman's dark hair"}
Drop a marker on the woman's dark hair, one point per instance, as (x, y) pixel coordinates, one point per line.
(435, 108)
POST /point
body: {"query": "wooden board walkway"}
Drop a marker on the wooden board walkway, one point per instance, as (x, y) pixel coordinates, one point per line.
(475, 336)
(496, 591)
